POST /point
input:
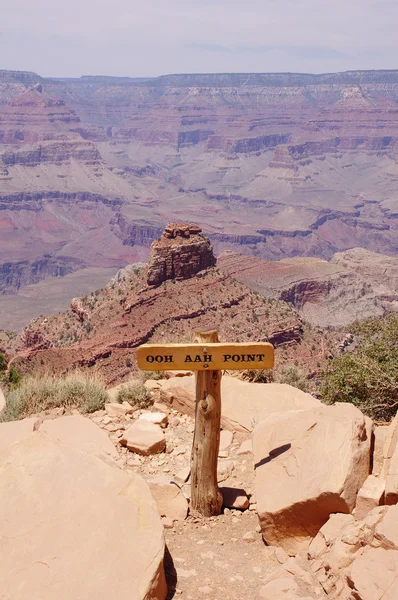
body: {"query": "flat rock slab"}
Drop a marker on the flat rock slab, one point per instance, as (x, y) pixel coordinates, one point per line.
(16, 431)
(308, 464)
(168, 496)
(243, 404)
(144, 438)
(80, 432)
(76, 527)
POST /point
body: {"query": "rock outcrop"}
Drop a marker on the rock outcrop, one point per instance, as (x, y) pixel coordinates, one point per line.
(76, 527)
(181, 252)
(309, 464)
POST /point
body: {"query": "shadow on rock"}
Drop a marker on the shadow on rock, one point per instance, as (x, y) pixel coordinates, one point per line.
(273, 454)
(171, 574)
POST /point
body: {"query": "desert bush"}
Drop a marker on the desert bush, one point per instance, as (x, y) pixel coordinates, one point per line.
(292, 375)
(367, 376)
(35, 394)
(135, 394)
(145, 375)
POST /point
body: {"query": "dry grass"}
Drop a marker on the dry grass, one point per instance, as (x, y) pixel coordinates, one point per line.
(135, 394)
(85, 392)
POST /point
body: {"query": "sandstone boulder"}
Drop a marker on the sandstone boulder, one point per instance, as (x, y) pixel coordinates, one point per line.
(144, 438)
(169, 498)
(243, 404)
(358, 560)
(16, 431)
(309, 464)
(79, 432)
(76, 527)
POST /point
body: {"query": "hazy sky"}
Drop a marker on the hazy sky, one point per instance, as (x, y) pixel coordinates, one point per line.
(155, 37)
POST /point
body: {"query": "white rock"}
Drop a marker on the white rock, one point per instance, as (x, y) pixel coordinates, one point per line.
(158, 418)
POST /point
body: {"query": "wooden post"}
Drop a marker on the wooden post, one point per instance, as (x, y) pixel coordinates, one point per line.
(205, 495)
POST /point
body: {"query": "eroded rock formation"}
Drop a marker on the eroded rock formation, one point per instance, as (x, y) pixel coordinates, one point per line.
(181, 252)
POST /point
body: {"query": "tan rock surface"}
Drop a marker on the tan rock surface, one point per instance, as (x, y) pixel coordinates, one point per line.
(114, 409)
(169, 498)
(76, 527)
(80, 432)
(16, 431)
(309, 464)
(369, 496)
(144, 438)
(243, 404)
(359, 561)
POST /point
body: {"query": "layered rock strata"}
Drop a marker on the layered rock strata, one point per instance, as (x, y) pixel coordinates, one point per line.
(181, 252)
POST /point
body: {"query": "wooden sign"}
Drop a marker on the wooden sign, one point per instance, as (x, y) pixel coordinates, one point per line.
(201, 357)
(208, 358)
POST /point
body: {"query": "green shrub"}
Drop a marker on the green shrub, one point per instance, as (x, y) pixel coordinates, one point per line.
(145, 375)
(35, 394)
(3, 362)
(368, 376)
(135, 394)
(292, 375)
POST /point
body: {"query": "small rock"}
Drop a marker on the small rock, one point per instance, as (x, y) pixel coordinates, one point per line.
(144, 438)
(167, 522)
(179, 451)
(116, 410)
(112, 427)
(223, 454)
(249, 537)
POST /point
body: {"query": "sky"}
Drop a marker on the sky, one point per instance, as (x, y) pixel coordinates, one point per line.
(156, 37)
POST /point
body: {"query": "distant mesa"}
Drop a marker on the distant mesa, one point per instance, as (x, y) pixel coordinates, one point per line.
(180, 252)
